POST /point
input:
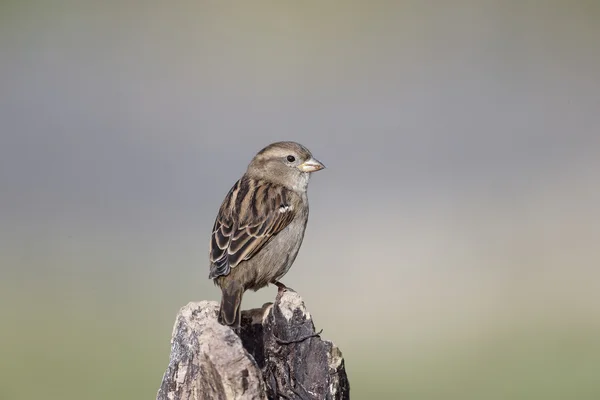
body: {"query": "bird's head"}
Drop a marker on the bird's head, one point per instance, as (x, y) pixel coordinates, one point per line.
(286, 163)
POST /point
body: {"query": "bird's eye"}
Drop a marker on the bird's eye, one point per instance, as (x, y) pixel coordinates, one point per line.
(291, 158)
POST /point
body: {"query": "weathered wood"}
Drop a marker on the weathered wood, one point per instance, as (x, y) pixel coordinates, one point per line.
(278, 355)
(208, 360)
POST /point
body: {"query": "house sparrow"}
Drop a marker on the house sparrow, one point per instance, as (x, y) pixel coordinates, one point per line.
(260, 225)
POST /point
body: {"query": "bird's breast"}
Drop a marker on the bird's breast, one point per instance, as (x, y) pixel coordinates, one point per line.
(276, 258)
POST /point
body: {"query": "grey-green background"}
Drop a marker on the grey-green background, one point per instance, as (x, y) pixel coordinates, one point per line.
(453, 249)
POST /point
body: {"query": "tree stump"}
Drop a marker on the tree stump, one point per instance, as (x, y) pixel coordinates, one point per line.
(278, 355)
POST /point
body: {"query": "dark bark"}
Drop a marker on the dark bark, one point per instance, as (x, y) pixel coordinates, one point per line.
(278, 355)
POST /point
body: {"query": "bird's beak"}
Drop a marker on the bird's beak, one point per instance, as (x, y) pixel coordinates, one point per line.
(311, 165)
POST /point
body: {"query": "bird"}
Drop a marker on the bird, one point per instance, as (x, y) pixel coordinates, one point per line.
(260, 225)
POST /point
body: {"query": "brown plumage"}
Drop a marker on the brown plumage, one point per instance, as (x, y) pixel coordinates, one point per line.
(260, 225)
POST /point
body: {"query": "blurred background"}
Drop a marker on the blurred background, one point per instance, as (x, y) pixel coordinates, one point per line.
(453, 249)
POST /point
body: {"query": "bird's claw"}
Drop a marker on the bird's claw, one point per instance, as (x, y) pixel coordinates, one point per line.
(280, 286)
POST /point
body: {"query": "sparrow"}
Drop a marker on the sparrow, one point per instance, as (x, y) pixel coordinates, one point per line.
(260, 225)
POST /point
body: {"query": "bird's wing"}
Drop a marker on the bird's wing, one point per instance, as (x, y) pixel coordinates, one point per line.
(251, 214)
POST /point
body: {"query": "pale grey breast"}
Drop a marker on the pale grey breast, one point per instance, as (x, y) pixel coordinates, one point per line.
(277, 257)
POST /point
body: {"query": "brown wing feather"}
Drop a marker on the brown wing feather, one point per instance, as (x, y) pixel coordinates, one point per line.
(250, 216)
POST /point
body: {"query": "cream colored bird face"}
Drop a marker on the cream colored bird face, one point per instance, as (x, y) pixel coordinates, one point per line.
(302, 160)
(285, 163)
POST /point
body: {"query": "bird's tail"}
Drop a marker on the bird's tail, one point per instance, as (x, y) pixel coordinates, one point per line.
(231, 299)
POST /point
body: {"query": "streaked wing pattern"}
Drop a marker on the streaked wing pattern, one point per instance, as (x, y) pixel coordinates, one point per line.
(251, 214)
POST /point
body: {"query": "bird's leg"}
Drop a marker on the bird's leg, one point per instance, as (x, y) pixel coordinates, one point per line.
(280, 286)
